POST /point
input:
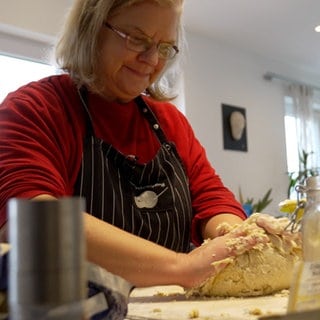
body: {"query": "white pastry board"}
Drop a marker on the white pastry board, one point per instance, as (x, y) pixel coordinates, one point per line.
(170, 303)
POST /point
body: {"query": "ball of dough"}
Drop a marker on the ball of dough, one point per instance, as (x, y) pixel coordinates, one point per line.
(261, 271)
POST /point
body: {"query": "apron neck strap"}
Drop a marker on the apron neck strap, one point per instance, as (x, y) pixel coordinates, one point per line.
(142, 105)
(151, 118)
(83, 94)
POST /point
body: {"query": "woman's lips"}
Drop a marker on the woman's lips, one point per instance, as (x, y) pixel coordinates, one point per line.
(140, 74)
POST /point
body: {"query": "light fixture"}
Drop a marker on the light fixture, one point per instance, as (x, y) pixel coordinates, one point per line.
(317, 28)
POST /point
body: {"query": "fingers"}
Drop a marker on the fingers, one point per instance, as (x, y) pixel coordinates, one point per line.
(270, 224)
(242, 244)
(238, 241)
(250, 232)
(221, 264)
(224, 228)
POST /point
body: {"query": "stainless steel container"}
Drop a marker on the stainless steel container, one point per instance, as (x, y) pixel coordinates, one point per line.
(47, 275)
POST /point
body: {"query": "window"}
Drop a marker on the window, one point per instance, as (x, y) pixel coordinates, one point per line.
(16, 72)
(310, 126)
(291, 143)
(24, 56)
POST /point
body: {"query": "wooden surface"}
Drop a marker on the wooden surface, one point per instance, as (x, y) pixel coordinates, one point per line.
(170, 303)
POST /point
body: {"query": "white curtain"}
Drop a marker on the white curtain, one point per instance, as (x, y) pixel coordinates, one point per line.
(303, 111)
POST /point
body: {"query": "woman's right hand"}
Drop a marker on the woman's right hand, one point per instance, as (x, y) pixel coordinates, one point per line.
(215, 254)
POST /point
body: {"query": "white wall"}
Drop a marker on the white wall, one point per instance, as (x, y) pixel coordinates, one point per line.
(214, 74)
(218, 74)
(29, 28)
(38, 16)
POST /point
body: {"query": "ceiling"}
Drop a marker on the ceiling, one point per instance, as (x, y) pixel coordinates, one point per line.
(280, 30)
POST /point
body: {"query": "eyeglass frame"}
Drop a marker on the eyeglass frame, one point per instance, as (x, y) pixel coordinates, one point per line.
(148, 42)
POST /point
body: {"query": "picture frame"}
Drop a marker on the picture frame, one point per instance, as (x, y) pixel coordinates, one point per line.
(234, 123)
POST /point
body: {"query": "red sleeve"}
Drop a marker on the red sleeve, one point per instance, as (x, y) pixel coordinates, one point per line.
(40, 145)
(209, 195)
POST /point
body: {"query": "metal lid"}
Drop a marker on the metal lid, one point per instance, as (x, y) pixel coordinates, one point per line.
(313, 183)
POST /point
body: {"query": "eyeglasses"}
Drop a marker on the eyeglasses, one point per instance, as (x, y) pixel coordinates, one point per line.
(166, 50)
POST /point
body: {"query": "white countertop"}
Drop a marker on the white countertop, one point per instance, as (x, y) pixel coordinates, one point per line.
(170, 302)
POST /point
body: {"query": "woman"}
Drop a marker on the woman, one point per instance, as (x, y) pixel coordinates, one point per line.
(105, 131)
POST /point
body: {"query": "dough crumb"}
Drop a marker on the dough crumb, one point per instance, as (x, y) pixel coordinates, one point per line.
(193, 314)
(255, 312)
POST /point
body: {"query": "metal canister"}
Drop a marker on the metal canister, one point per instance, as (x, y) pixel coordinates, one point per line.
(47, 272)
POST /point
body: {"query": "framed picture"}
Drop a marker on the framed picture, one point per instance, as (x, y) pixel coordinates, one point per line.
(234, 128)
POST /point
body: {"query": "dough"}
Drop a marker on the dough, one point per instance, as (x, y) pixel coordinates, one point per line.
(260, 271)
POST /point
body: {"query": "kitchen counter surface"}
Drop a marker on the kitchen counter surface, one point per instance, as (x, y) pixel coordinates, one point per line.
(170, 303)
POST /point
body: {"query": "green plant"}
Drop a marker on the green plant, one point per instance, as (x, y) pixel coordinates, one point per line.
(258, 206)
(299, 177)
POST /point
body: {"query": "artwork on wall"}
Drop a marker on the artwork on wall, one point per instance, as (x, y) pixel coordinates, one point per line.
(234, 128)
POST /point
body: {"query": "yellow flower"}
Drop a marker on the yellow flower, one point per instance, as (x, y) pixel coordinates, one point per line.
(290, 206)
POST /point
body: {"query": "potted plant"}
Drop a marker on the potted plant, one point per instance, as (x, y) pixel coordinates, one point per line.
(250, 206)
(299, 177)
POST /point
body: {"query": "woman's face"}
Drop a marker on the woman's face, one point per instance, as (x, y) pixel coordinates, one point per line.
(124, 72)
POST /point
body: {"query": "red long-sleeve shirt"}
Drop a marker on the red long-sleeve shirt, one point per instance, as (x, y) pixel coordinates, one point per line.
(42, 126)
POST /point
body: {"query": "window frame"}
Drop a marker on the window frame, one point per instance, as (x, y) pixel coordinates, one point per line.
(25, 44)
(293, 166)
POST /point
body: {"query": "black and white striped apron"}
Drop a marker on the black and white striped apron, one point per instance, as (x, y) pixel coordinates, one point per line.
(150, 200)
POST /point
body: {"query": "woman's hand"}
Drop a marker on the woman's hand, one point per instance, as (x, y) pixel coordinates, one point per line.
(278, 227)
(271, 224)
(233, 240)
(214, 255)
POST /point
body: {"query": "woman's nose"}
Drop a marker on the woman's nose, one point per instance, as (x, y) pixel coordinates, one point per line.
(150, 56)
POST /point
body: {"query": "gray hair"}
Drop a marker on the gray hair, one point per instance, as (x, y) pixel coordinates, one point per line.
(77, 51)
